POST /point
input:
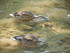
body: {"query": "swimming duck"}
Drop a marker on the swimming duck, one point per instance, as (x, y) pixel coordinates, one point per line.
(27, 16)
(23, 15)
(28, 38)
(29, 41)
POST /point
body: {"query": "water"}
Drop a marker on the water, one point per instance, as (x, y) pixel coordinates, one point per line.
(56, 30)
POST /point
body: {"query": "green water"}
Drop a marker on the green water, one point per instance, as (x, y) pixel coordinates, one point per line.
(56, 30)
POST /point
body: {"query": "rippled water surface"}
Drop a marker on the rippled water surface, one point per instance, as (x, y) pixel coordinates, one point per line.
(56, 31)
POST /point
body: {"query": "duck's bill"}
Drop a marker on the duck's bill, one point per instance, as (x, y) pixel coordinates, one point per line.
(11, 15)
(13, 38)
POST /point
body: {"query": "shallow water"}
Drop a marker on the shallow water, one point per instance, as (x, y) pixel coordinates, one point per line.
(56, 30)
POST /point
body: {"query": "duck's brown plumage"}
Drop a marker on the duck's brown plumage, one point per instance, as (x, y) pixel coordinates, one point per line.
(24, 16)
(28, 38)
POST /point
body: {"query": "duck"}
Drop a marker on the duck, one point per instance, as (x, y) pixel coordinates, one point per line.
(22, 16)
(29, 41)
(27, 38)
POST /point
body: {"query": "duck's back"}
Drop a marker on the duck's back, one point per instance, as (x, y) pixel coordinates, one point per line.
(26, 17)
(29, 13)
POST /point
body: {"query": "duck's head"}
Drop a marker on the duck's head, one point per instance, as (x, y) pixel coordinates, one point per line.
(16, 14)
(18, 38)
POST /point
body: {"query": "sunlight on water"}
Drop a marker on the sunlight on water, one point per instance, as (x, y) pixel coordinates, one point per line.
(56, 31)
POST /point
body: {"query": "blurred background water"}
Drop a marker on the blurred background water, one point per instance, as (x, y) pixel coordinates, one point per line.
(56, 30)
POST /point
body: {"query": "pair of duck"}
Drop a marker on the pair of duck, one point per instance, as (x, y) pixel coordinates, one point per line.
(27, 16)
